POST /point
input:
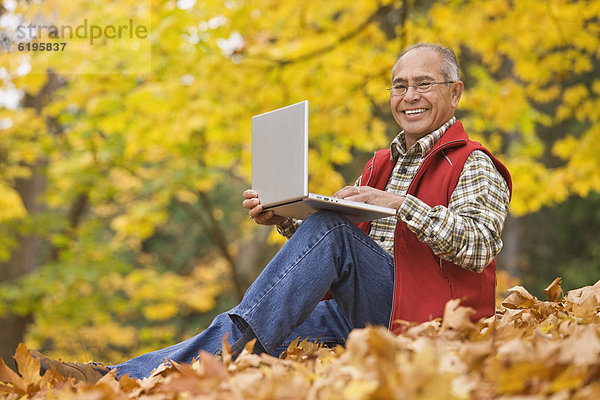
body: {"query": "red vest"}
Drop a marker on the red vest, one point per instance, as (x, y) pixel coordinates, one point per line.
(423, 281)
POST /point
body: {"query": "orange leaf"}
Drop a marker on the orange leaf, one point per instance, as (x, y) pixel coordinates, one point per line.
(519, 298)
(29, 367)
(226, 350)
(554, 291)
(457, 318)
(126, 383)
(211, 366)
(7, 375)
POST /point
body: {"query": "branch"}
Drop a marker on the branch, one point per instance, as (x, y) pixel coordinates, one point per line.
(76, 212)
(330, 47)
(210, 224)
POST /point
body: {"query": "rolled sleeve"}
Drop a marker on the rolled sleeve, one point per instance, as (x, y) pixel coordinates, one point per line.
(288, 227)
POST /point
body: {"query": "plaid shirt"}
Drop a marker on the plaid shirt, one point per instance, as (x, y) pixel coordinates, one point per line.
(467, 232)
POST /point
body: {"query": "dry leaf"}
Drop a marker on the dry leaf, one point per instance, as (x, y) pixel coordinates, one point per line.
(10, 377)
(457, 318)
(554, 291)
(530, 350)
(296, 351)
(519, 298)
(29, 368)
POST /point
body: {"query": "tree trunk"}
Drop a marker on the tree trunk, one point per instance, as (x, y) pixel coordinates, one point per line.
(26, 256)
(254, 254)
(509, 258)
(22, 262)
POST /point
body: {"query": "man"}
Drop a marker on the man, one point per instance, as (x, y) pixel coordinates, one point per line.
(451, 197)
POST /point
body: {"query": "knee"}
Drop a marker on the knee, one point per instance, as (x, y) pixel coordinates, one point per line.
(323, 221)
(329, 218)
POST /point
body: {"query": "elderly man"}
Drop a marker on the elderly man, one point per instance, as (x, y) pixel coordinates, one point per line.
(451, 197)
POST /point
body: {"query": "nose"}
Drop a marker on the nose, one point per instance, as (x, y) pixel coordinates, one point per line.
(411, 94)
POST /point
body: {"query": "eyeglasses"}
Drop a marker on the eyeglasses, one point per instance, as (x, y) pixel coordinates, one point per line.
(421, 87)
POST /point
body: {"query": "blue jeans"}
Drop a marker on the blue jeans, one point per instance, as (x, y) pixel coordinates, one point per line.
(327, 252)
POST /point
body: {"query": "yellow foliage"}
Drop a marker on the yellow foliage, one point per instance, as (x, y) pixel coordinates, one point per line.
(139, 223)
(11, 205)
(573, 97)
(565, 147)
(531, 188)
(160, 311)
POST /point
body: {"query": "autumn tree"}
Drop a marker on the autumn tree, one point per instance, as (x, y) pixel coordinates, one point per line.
(125, 150)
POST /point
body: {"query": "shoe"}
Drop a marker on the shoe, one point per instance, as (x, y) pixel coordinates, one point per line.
(89, 373)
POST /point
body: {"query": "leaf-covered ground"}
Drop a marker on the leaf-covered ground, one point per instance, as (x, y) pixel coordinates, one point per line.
(532, 349)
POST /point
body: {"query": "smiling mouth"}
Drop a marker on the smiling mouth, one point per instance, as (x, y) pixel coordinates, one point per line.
(413, 112)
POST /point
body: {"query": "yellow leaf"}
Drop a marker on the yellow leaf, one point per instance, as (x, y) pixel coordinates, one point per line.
(11, 205)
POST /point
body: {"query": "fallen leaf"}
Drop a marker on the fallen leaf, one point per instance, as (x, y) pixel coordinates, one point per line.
(530, 349)
(457, 318)
(7, 375)
(519, 298)
(29, 368)
(554, 291)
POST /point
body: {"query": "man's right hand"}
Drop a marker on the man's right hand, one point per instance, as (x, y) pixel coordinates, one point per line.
(255, 210)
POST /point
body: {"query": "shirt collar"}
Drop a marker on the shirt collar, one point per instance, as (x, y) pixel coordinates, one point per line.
(423, 145)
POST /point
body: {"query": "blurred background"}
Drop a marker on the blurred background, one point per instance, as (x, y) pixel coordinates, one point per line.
(123, 157)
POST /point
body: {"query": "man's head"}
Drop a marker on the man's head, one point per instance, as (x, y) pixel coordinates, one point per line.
(423, 108)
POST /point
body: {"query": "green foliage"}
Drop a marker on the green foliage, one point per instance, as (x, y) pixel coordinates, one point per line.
(562, 240)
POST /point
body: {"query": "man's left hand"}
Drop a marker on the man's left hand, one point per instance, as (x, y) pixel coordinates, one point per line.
(369, 195)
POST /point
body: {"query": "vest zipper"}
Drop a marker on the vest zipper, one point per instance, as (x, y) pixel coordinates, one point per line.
(370, 169)
(441, 148)
(447, 278)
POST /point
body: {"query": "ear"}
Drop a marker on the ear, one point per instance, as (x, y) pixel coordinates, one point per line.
(457, 91)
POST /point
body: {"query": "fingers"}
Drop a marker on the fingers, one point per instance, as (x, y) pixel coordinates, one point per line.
(254, 211)
(363, 194)
(251, 202)
(370, 195)
(249, 194)
(251, 199)
(263, 217)
(349, 191)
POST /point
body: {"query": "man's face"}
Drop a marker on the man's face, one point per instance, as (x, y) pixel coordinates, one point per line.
(421, 113)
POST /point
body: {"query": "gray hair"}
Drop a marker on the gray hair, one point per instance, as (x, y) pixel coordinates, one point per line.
(449, 67)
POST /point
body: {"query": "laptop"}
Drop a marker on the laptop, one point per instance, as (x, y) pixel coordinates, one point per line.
(280, 169)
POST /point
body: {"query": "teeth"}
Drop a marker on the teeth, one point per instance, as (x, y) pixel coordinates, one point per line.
(410, 112)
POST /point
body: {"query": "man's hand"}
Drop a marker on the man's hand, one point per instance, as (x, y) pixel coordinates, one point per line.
(252, 203)
(369, 195)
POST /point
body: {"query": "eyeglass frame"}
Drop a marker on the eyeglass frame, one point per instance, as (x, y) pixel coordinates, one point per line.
(416, 87)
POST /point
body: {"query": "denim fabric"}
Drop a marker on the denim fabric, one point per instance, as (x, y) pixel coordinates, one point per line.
(327, 252)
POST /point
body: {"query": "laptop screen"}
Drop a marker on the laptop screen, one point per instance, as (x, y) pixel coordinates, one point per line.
(280, 154)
